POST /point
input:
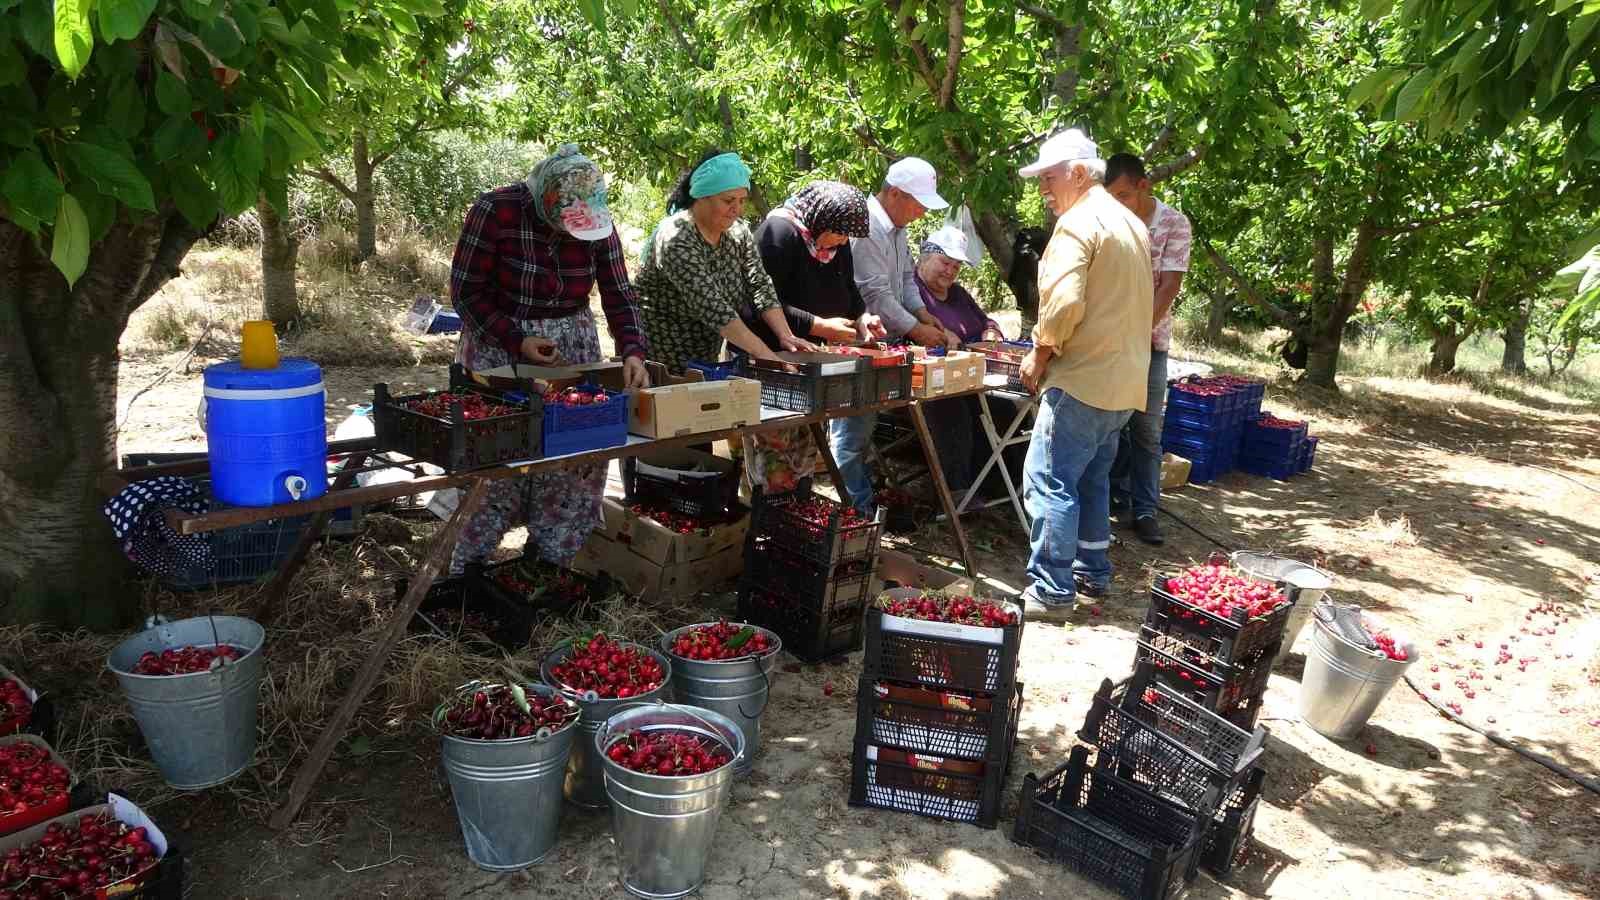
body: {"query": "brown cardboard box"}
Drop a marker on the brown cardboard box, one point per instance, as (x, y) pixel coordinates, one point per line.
(606, 374)
(654, 542)
(120, 809)
(963, 371)
(930, 376)
(1174, 472)
(653, 581)
(688, 404)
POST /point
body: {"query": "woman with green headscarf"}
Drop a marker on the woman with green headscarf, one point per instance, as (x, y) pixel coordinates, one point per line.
(528, 256)
(700, 269)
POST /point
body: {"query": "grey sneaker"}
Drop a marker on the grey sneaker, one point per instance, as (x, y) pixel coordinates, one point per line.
(1036, 610)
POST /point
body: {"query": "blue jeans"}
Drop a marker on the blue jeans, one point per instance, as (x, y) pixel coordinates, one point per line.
(1136, 474)
(1068, 495)
(848, 438)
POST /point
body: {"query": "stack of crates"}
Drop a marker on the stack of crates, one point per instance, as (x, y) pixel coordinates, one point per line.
(936, 717)
(809, 563)
(1274, 447)
(1203, 423)
(1156, 793)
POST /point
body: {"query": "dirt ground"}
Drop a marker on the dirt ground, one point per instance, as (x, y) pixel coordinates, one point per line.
(1449, 511)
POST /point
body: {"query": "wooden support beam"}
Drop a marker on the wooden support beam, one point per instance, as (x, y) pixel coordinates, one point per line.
(942, 488)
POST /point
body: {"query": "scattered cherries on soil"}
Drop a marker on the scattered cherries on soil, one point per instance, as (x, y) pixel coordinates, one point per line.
(721, 641)
(187, 660)
(668, 753)
(611, 669)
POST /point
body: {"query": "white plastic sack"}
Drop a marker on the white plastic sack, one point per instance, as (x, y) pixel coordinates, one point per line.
(961, 217)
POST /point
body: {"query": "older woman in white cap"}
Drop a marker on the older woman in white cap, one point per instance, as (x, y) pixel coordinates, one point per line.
(939, 264)
(1089, 362)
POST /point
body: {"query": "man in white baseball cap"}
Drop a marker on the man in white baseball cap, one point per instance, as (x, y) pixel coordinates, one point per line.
(1089, 364)
(886, 276)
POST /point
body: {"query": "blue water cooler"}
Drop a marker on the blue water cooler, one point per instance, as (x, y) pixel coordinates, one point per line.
(266, 433)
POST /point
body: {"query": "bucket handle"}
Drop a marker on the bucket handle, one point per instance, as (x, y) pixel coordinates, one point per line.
(738, 752)
(766, 697)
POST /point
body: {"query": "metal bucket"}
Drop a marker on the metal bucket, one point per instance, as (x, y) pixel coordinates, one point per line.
(1344, 683)
(585, 785)
(664, 825)
(201, 728)
(1303, 583)
(737, 688)
(508, 793)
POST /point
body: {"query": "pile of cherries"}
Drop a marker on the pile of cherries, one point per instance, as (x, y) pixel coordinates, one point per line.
(939, 607)
(544, 584)
(504, 712)
(668, 753)
(187, 660)
(817, 514)
(1272, 421)
(15, 707)
(1217, 589)
(473, 406)
(588, 395)
(1386, 642)
(673, 521)
(611, 669)
(1202, 389)
(721, 641)
(76, 860)
(29, 779)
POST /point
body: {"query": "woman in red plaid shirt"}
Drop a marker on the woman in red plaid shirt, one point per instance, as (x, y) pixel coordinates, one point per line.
(528, 256)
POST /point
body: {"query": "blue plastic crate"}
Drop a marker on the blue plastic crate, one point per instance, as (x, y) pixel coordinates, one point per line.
(574, 429)
(1195, 420)
(1281, 469)
(1177, 435)
(1201, 403)
(445, 321)
(1308, 454)
(1268, 440)
(714, 371)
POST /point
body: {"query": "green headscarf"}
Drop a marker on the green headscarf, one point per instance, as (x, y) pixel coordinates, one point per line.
(724, 172)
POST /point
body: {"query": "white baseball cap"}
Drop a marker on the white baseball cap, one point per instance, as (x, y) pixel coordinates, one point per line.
(950, 241)
(1064, 146)
(917, 178)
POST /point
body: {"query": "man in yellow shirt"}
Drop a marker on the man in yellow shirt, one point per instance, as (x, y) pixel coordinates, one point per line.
(1089, 363)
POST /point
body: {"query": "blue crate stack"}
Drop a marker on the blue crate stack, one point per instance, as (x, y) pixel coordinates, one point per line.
(1279, 453)
(1206, 429)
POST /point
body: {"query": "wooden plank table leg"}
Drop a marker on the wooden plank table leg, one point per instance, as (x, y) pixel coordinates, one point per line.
(820, 436)
(942, 487)
(444, 544)
(279, 585)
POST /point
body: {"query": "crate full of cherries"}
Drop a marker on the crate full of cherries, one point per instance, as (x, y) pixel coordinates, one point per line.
(466, 427)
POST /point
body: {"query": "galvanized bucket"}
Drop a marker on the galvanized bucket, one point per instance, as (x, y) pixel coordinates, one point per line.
(1303, 583)
(201, 728)
(585, 785)
(665, 825)
(508, 793)
(1344, 683)
(737, 688)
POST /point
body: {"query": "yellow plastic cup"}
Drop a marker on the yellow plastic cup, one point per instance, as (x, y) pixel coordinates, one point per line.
(258, 346)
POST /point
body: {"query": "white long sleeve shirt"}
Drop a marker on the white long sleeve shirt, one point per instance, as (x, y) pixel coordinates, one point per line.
(885, 272)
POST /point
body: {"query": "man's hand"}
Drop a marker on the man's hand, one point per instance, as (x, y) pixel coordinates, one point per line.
(795, 345)
(834, 329)
(927, 335)
(541, 351)
(952, 341)
(1034, 366)
(634, 375)
(871, 326)
(993, 334)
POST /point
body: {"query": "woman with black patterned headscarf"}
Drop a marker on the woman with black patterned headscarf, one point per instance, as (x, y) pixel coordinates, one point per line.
(805, 247)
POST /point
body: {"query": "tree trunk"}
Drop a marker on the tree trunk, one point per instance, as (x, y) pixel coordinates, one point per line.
(1442, 358)
(1325, 336)
(59, 563)
(366, 199)
(280, 302)
(1221, 303)
(1515, 357)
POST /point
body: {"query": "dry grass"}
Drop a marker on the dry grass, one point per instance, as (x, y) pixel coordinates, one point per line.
(1394, 532)
(334, 615)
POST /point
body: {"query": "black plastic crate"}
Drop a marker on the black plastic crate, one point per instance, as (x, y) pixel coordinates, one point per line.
(242, 554)
(889, 383)
(1223, 690)
(795, 381)
(971, 792)
(915, 719)
(827, 545)
(1109, 830)
(812, 630)
(453, 444)
(686, 481)
(1234, 823)
(1169, 744)
(1235, 639)
(460, 609)
(767, 565)
(954, 663)
(554, 591)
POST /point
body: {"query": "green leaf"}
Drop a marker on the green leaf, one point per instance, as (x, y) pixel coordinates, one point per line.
(114, 173)
(37, 27)
(74, 39)
(1527, 43)
(172, 95)
(124, 19)
(1376, 9)
(1406, 105)
(1369, 87)
(1594, 126)
(31, 187)
(236, 188)
(12, 68)
(258, 119)
(404, 21)
(277, 194)
(594, 11)
(69, 244)
(221, 37)
(125, 109)
(170, 138)
(249, 155)
(195, 199)
(100, 210)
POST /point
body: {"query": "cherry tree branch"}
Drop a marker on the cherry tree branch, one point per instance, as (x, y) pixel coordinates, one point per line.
(1178, 166)
(1044, 15)
(1251, 293)
(919, 50)
(322, 174)
(952, 60)
(1161, 140)
(1464, 213)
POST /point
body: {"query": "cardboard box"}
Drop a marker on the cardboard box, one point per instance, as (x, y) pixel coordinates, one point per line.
(688, 404)
(13, 821)
(1174, 472)
(655, 543)
(16, 724)
(138, 885)
(510, 378)
(652, 581)
(964, 371)
(930, 377)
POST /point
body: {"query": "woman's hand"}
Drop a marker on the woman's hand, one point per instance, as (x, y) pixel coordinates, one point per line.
(952, 341)
(795, 345)
(834, 329)
(541, 351)
(993, 334)
(634, 375)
